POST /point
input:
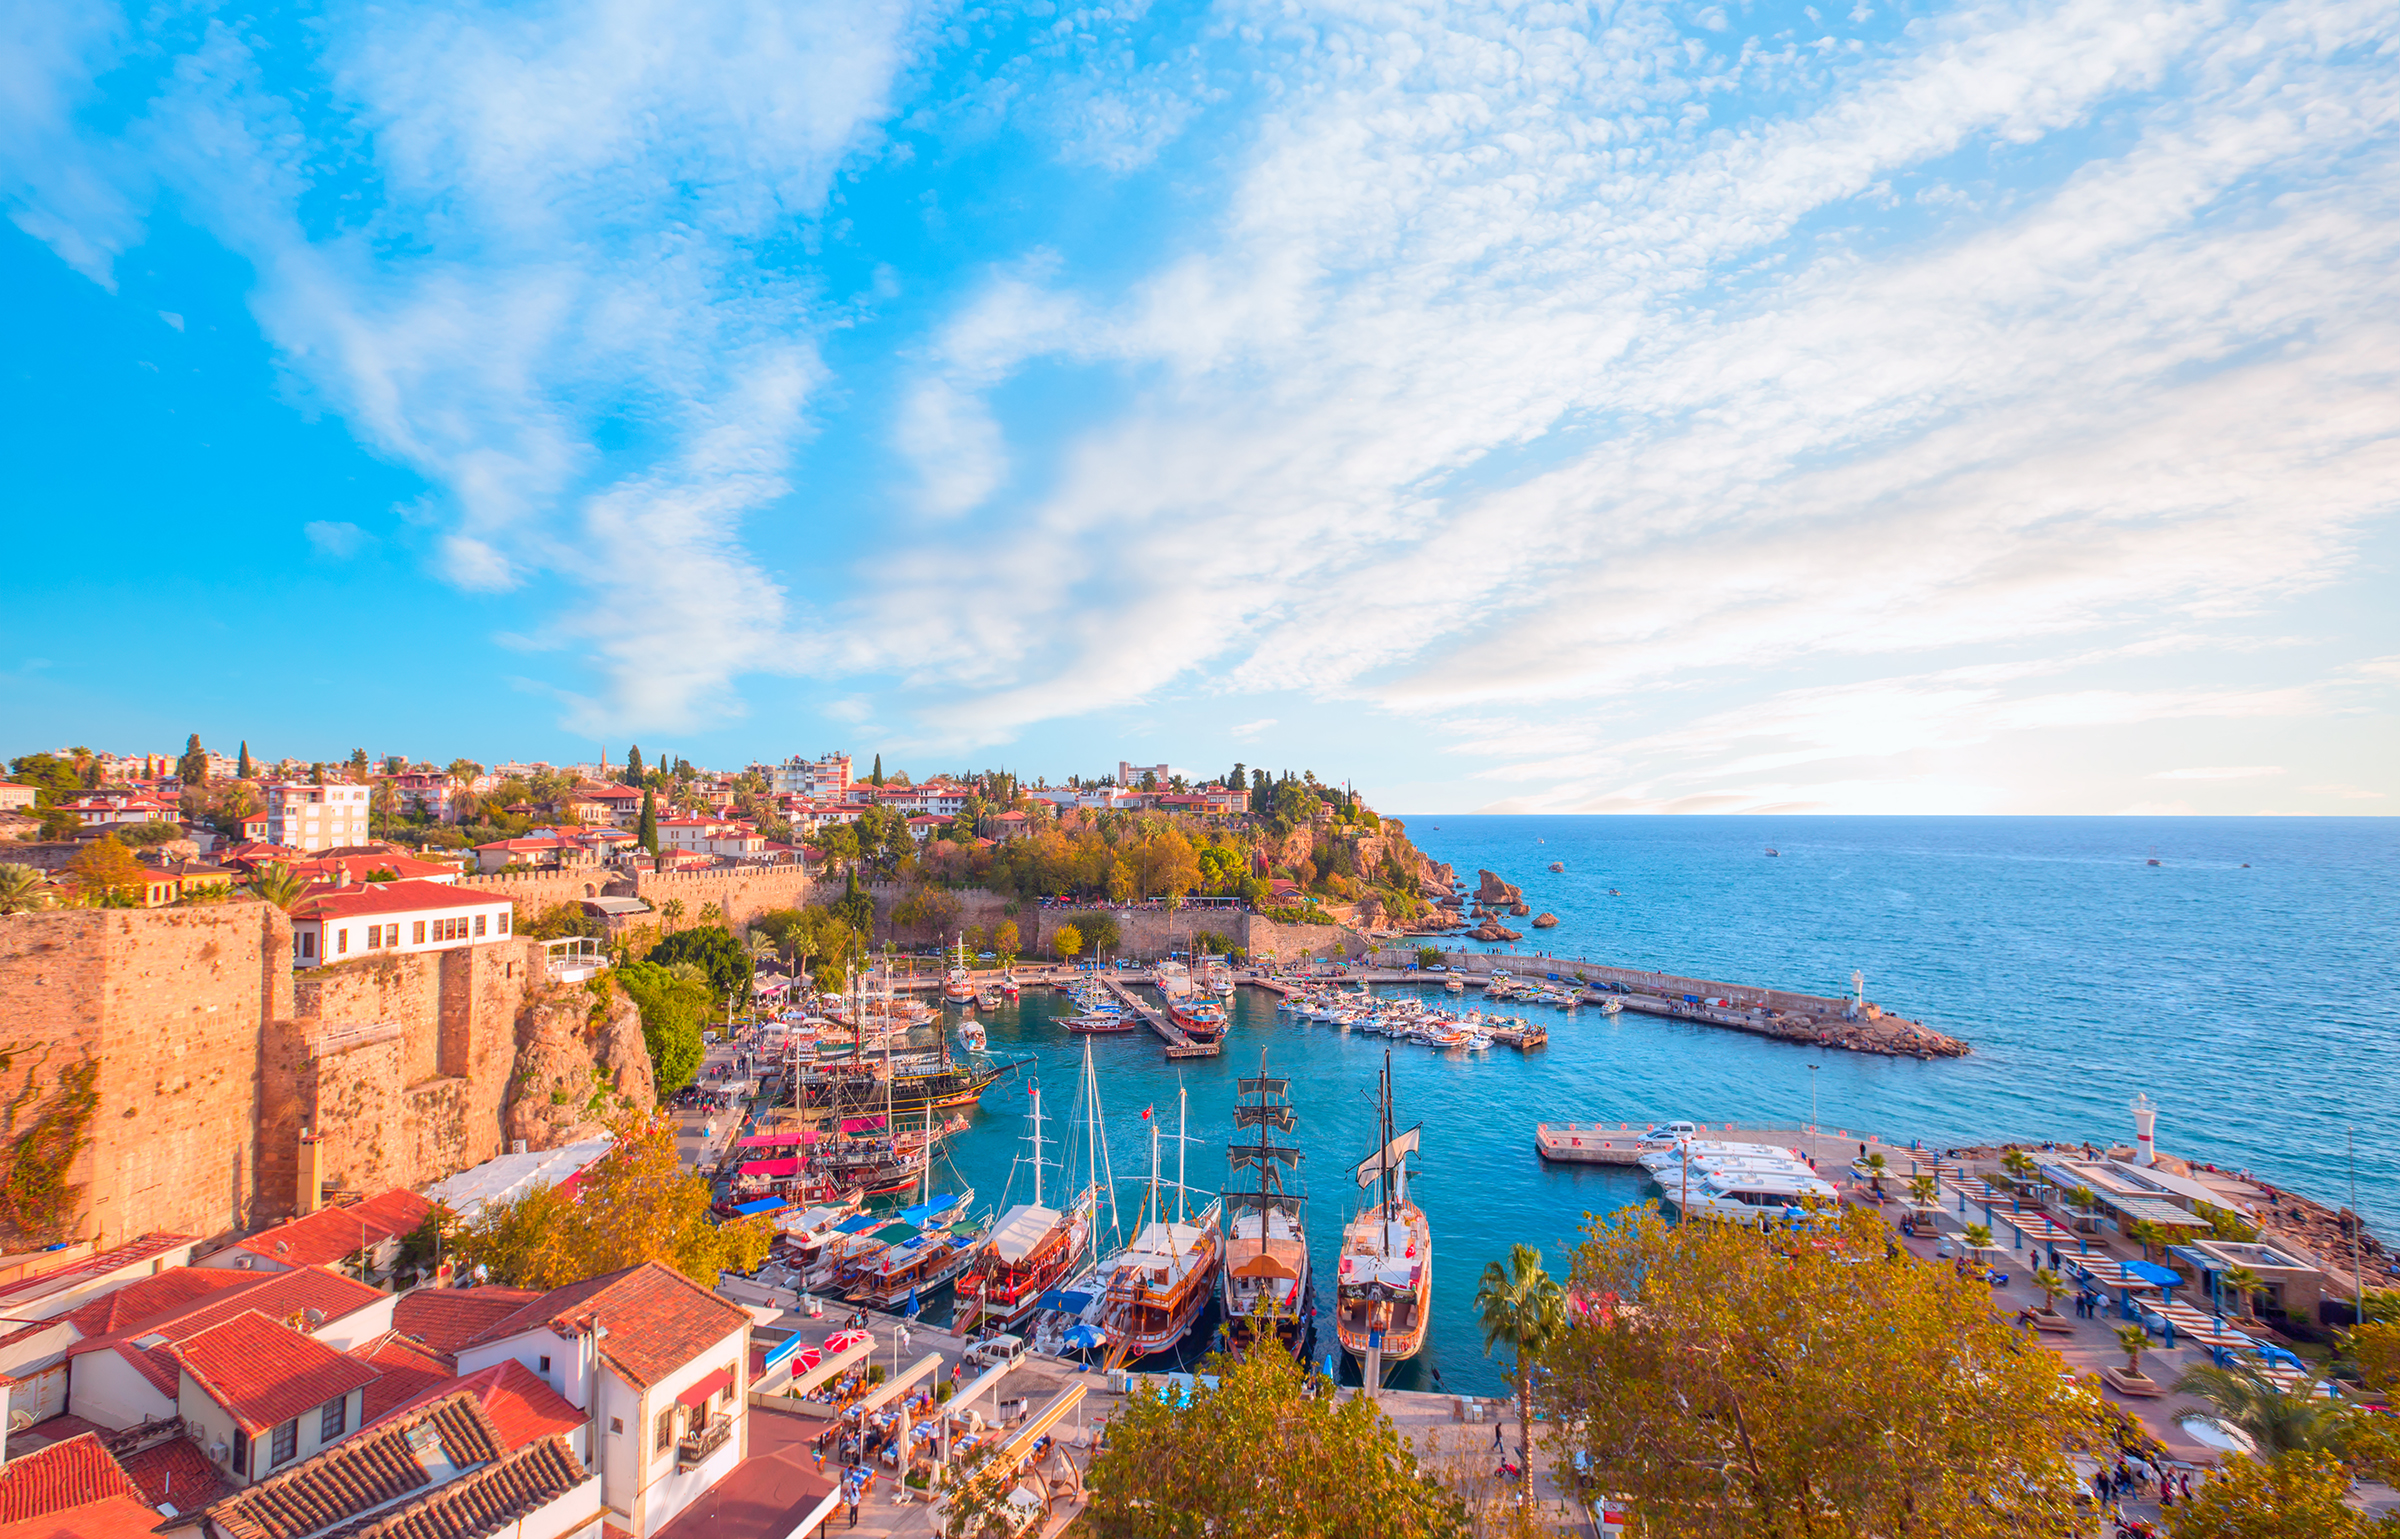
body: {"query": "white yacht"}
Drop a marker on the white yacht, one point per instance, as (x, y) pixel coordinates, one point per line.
(1751, 1197)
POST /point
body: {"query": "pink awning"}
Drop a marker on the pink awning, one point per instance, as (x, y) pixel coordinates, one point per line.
(775, 1140)
(861, 1124)
(772, 1168)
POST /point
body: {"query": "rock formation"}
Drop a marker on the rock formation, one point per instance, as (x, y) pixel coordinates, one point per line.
(579, 1058)
(1492, 892)
(1520, 909)
(1545, 921)
(1493, 930)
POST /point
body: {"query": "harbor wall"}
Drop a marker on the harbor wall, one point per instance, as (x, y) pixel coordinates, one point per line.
(741, 894)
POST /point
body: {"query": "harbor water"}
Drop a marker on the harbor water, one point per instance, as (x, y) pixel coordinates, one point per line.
(2244, 983)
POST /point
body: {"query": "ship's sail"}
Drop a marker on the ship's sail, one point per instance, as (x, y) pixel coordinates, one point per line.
(1260, 1085)
(1256, 1156)
(1371, 1169)
(1278, 1116)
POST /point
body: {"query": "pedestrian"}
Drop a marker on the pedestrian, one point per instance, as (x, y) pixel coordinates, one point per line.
(1496, 1426)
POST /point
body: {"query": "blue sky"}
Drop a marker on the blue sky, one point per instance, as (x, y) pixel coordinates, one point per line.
(1986, 407)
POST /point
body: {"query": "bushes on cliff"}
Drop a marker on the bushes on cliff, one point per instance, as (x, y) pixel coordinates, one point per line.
(673, 1010)
(636, 1203)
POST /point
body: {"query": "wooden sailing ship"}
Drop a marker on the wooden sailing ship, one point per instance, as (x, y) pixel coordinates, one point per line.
(1161, 1281)
(1029, 1250)
(1384, 1289)
(1268, 1288)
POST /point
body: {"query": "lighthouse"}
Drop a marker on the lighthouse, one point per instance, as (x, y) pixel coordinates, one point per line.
(2145, 1131)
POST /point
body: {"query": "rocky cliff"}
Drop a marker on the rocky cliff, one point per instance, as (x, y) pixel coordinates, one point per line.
(580, 1056)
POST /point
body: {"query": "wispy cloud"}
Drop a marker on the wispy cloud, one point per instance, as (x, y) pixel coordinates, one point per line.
(2221, 772)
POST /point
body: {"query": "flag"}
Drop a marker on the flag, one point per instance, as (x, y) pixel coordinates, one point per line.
(913, 1306)
(1145, 1114)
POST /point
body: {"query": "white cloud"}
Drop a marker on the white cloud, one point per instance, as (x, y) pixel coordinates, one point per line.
(1250, 729)
(171, 318)
(337, 541)
(2221, 772)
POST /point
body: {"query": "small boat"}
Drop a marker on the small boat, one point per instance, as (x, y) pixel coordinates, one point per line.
(987, 999)
(971, 1035)
(1558, 865)
(1771, 850)
(1612, 1006)
(1103, 1020)
(1384, 1289)
(958, 986)
(2153, 860)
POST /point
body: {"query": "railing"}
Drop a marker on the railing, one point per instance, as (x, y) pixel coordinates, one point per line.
(697, 1446)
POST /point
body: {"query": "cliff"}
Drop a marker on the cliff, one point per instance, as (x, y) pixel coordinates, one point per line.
(580, 1057)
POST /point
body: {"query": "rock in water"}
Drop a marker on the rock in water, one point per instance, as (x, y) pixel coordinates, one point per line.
(1492, 892)
(1520, 909)
(1558, 865)
(1544, 921)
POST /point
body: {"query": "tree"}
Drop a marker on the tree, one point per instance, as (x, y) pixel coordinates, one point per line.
(647, 835)
(192, 768)
(1875, 1165)
(1100, 932)
(856, 907)
(1067, 942)
(386, 804)
(672, 1010)
(107, 875)
(2375, 1347)
(1006, 941)
(278, 884)
(2053, 1286)
(1429, 956)
(2300, 1496)
(636, 1203)
(1925, 1191)
(713, 949)
(1521, 1305)
(2019, 1165)
(2244, 1285)
(1730, 1382)
(358, 765)
(245, 770)
(2275, 1422)
(2133, 1341)
(633, 766)
(1268, 1452)
(875, 775)
(2145, 1234)
(316, 773)
(22, 889)
(1978, 1236)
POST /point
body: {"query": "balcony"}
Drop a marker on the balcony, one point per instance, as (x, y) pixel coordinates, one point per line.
(574, 959)
(695, 1447)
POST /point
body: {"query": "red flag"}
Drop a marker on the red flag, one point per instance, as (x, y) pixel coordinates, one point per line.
(1145, 1114)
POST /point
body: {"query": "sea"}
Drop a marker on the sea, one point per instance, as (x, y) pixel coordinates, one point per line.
(2244, 983)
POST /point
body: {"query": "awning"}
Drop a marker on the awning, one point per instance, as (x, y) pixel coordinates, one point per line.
(775, 1140)
(762, 1205)
(861, 1124)
(784, 1167)
(707, 1388)
(1264, 1265)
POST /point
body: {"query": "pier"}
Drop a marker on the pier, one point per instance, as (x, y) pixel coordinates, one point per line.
(1179, 1045)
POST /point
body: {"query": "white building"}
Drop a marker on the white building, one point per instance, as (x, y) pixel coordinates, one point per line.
(1130, 775)
(391, 918)
(310, 818)
(826, 779)
(709, 836)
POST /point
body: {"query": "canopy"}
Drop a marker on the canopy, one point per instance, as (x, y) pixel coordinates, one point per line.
(2164, 1276)
(843, 1341)
(897, 1234)
(700, 1392)
(1084, 1337)
(775, 1140)
(861, 1124)
(1021, 1229)
(924, 1211)
(783, 1167)
(1066, 1300)
(1264, 1265)
(762, 1205)
(859, 1225)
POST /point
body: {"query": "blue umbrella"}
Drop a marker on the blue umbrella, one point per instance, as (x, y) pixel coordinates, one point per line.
(914, 1308)
(1084, 1337)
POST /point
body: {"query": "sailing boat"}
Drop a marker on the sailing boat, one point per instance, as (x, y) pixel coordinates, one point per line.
(1158, 1285)
(1068, 1318)
(958, 987)
(935, 1248)
(1028, 1251)
(1266, 1274)
(1386, 1280)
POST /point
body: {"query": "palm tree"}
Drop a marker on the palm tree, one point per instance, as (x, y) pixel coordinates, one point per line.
(2278, 1423)
(2082, 1200)
(1524, 1307)
(2244, 1284)
(2145, 1234)
(279, 885)
(2052, 1286)
(21, 889)
(463, 774)
(1979, 1237)
(2019, 1166)
(2134, 1341)
(1924, 1190)
(1875, 1165)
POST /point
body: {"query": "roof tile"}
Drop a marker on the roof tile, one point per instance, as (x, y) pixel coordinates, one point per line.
(378, 1466)
(63, 1475)
(330, 1235)
(657, 1318)
(265, 1373)
(446, 1319)
(175, 1472)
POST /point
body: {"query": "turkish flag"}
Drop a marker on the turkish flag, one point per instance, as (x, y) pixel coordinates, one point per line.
(1145, 1114)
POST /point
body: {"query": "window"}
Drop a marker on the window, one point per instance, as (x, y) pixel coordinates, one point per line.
(504, 923)
(308, 943)
(334, 1420)
(287, 1443)
(420, 936)
(341, 940)
(479, 926)
(241, 1452)
(666, 1429)
(616, 1425)
(545, 1365)
(374, 937)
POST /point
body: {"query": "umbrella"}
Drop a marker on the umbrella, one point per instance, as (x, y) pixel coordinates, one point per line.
(842, 1341)
(913, 1309)
(1084, 1337)
(805, 1359)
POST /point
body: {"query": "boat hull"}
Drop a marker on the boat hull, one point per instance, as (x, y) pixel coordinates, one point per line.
(1402, 1316)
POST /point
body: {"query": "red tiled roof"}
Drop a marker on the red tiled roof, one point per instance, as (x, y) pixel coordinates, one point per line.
(374, 1468)
(411, 1370)
(155, 1364)
(658, 1319)
(347, 868)
(331, 1234)
(63, 1475)
(279, 1296)
(446, 1319)
(389, 898)
(148, 1247)
(148, 1298)
(112, 1517)
(265, 1373)
(490, 1499)
(523, 1409)
(175, 1471)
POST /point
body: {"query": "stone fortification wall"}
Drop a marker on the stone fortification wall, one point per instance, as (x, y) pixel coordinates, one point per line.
(537, 890)
(743, 893)
(1271, 941)
(163, 1010)
(1143, 933)
(1641, 981)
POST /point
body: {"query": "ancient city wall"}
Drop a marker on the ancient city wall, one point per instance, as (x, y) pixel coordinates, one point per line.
(743, 894)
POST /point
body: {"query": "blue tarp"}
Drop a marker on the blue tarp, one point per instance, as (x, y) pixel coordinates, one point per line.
(2151, 1271)
(923, 1212)
(763, 1205)
(859, 1225)
(1061, 1298)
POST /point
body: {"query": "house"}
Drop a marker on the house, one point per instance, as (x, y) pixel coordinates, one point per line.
(661, 1366)
(332, 1237)
(442, 1469)
(123, 1372)
(310, 818)
(621, 806)
(39, 1315)
(387, 918)
(827, 778)
(924, 826)
(17, 798)
(73, 1487)
(337, 870)
(265, 1393)
(709, 836)
(104, 809)
(430, 792)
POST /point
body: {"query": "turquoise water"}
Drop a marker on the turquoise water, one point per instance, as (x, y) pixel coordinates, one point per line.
(2255, 1006)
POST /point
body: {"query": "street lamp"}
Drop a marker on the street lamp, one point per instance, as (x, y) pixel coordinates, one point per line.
(1812, 1099)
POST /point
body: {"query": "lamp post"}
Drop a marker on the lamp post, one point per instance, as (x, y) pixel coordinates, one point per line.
(1812, 1099)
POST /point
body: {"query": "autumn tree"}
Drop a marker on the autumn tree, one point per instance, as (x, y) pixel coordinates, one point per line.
(638, 1202)
(106, 873)
(1269, 1451)
(1067, 941)
(1737, 1383)
(2297, 1496)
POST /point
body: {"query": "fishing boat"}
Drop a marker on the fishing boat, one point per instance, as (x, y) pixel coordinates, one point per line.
(987, 998)
(1385, 1286)
(915, 1265)
(1009, 987)
(1028, 1251)
(1160, 1282)
(1267, 1289)
(971, 1035)
(958, 985)
(1216, 978)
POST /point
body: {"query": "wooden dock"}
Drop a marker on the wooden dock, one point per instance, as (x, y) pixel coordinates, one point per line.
(1178, 1044)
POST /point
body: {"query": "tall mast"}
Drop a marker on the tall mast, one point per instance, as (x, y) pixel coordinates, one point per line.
(1037, 1143)
(1182, 1102)
(1152, 1204)
(924, 1171)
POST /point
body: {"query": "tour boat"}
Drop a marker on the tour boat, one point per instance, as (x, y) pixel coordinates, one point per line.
(916, 1264)
(1764, 1198)
(1266, 1270)
(1174, 981)
(1029, 1249)
(1103, 1021)
(958, 986)
(971, 1035)
(1384, 1288)
(1200, 1020)
(1160, 1282)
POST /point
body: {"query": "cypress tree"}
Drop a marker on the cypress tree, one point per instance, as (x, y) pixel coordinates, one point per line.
(192, 769)
(647, 837)
(633, 765)
(876, 776)
(246, 770)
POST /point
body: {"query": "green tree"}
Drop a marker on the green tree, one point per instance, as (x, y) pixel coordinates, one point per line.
(2277, 1423)
(633, 766)
(1100, 932)
(2244, 1284)
(637, 1203)
(1522, 1305)
(714, 950)
(1875, 1165)
(1006, 941)
(875, 775)
(359, 763)
(1267, 1453)
(1738, 1383)
(245, 770)
(856, 908)
(2053, 1286)
(22, 889)
(1067, 942)
(192, 768)
(2375, 1347)
(647, 835)
(278, 884)
(1429, 956)
(2299, 1496)
(673, 1011)
(2133, 1341)
(106, 874)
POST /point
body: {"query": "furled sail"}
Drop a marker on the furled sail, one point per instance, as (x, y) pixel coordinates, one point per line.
(1279, 1117)
(1373, 1166)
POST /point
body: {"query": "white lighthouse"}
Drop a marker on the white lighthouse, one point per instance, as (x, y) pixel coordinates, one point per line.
(2145, 1131)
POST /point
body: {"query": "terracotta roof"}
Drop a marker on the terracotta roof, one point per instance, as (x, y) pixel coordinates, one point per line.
(523, 1409)
(278, 1295)
(175, 1471)
(265, 1373)
(658, 1319)
(168, 1293)
(111, 1517)
(446, 1319)
(332, 1234)
(377, 1466)
(389, 898)
(411, 1371)
(63, 1475)
(483, 1502)
(345, 868)
(147, 1248)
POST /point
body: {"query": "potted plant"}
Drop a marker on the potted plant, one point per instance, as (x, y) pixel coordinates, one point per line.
(2130, 1380)
(2053, 1288)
